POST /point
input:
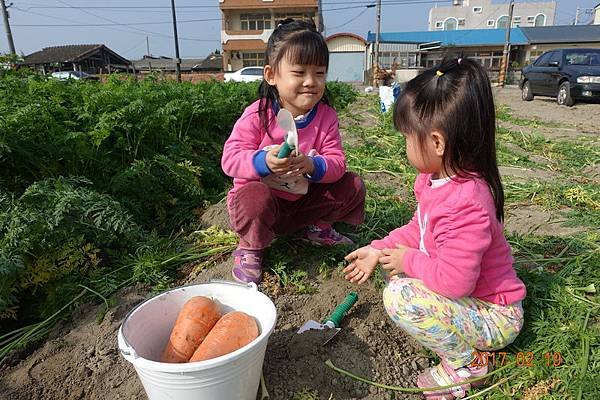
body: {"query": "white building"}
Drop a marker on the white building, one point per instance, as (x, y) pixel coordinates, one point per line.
(482, 14)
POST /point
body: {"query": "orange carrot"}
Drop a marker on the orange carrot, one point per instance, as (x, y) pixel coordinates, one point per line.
(195, 320)
(233, 331)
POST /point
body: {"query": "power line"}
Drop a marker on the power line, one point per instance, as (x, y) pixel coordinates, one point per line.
(144, 32)
(120, 24)
(351, 19)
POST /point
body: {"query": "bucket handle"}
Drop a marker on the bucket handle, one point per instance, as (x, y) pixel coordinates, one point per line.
(249, 285)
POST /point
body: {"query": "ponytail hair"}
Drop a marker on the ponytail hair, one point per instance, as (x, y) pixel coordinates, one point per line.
(456, 99)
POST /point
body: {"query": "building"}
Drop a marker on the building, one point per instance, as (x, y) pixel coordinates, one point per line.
(90, 58)
(247, 25)
(597, 14)
(413, 51)
(211, 64)
(346, 57)
(553, 37)
(484, 14)
(427, 48)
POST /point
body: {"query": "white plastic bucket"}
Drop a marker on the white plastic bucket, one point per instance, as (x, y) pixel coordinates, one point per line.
(234, 376)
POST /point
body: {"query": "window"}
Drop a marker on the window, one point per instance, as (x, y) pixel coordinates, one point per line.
(502, 22)
(542, 61)
(534, 54)
(309, 17)
(531, 20)
(583, 57)
(253, 71)
(491, 23)
(555, 57)
(450, 24)
(439, 24)
(516, 21)
(461, 21)
(398, 59)
(255, 22)
(540, 20)
(253, 59)
(477, 10)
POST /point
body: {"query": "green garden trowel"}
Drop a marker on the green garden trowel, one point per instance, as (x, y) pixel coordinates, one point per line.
(286, 121)
(331, 325)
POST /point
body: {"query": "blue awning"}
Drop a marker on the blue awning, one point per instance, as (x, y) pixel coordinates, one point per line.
(459, 38)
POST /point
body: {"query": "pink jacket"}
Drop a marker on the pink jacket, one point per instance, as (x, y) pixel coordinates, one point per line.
(243, 153)
(457, 244)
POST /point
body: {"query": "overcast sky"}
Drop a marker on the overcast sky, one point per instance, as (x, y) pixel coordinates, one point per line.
(123, 25)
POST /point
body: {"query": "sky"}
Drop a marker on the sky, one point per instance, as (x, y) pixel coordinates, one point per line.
(123, 25)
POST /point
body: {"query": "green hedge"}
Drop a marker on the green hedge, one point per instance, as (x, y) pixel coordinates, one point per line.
(92, 172)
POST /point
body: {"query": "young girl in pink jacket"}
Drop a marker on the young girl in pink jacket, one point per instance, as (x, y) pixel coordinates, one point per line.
(308, 190)
(451, 284)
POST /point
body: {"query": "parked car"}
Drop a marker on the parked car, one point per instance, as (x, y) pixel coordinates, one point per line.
(246, 74)
(77, 75)
(567, 74)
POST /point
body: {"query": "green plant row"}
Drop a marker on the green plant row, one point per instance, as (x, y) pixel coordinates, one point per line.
(102, 177)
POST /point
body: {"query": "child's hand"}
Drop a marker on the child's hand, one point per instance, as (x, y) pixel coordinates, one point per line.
(301, 164)
(278, 166)
(362, 264)
(391, 259)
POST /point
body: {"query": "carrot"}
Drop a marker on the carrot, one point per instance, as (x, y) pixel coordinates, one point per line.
(195, 320)
(233, 331)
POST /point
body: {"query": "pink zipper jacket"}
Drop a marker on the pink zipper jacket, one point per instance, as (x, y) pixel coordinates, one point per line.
(244, 154)
(458, 248)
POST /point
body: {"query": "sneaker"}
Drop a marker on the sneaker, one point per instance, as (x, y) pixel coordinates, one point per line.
(247, 266)
(326, 236)
(444, 375)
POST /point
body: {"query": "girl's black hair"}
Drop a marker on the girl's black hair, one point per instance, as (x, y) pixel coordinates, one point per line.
(300, 43)
(456, 100)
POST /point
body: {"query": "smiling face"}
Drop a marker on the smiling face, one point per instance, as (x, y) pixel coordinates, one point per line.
(300, 87)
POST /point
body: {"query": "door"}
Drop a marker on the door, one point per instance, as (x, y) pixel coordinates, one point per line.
(346, 67)
(536, 74)
(552, 75)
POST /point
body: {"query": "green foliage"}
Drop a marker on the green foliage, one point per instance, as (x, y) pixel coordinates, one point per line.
(341, 95)
(56, 228)
(100, 180)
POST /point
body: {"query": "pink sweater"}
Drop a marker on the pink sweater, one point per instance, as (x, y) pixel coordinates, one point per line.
(243, 153)
(457, 245)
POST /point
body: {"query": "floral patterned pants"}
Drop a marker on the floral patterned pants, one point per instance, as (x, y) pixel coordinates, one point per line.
(453, 329)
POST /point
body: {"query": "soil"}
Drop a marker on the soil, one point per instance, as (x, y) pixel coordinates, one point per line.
(580, 117)
(80, 360)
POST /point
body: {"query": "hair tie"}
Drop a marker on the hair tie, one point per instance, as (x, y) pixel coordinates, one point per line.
(439, 73)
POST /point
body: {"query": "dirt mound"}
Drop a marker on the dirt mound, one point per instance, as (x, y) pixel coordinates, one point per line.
(80, 361)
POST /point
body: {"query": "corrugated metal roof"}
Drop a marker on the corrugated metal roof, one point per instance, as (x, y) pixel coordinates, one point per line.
(563, 34)
(466, 37)
(68, 53)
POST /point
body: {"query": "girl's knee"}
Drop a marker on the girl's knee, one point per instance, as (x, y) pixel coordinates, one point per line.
(404, 304)
(355, 182)
(253, 199)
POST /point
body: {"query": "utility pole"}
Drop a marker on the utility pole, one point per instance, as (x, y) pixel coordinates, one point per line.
(177, 59)
(9, 38)
(506, 52)
(376, 60)
(321, 26)
(148, 54)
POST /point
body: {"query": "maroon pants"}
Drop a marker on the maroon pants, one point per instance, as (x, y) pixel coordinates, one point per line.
(257, 215)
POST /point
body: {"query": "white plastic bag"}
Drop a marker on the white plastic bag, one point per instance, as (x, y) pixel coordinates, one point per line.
(388, 95)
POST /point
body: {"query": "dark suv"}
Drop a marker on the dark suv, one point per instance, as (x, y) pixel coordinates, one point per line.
(567, 74)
